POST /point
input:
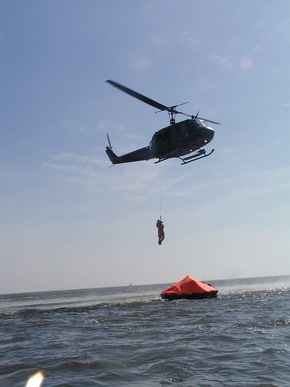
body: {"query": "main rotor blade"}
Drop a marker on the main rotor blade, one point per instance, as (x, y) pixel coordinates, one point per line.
(139, 96)
(153, 103)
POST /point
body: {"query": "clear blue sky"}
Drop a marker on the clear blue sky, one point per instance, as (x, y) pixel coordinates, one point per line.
(67, 219)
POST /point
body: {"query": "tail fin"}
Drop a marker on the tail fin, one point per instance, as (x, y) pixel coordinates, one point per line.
(112, 156)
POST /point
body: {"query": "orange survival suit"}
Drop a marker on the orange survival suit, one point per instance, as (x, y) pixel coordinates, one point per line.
(161, 235)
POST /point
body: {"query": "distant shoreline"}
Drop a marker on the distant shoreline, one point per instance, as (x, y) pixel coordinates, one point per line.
(131, 286)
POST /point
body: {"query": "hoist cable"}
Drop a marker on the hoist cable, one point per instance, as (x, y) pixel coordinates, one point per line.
(160, 193)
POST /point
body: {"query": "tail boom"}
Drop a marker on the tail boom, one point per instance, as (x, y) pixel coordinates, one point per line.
(137, 155)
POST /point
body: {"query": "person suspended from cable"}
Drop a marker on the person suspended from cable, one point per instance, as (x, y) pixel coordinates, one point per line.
(160, 227)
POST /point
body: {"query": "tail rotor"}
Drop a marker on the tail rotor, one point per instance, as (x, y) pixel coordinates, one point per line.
(109, 141)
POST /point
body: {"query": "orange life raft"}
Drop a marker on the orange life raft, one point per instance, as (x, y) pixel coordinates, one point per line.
(189, 288)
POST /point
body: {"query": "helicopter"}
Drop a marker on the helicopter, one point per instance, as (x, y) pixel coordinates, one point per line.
(176, 140)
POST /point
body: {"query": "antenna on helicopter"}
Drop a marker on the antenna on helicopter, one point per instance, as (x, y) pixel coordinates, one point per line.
(195, 117)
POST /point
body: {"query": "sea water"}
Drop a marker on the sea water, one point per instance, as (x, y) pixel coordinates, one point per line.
(128, 336)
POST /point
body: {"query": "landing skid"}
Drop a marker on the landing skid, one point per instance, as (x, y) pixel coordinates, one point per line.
(186, 160)
(199, 155)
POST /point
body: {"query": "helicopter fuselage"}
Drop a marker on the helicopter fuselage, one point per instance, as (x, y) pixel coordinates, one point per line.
(175, 140)
(180, 139)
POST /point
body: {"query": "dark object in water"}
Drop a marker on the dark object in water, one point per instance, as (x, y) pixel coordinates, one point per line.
(189, 288)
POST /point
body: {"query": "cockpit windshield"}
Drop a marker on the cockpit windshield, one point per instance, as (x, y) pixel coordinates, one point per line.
(204, 123)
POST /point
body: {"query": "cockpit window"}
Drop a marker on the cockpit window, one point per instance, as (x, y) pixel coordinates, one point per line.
(202, 122)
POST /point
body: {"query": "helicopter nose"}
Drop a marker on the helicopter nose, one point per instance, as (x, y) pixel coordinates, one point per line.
(209, 135)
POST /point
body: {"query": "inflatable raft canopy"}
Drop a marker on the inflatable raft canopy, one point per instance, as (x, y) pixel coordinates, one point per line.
(189, 288)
